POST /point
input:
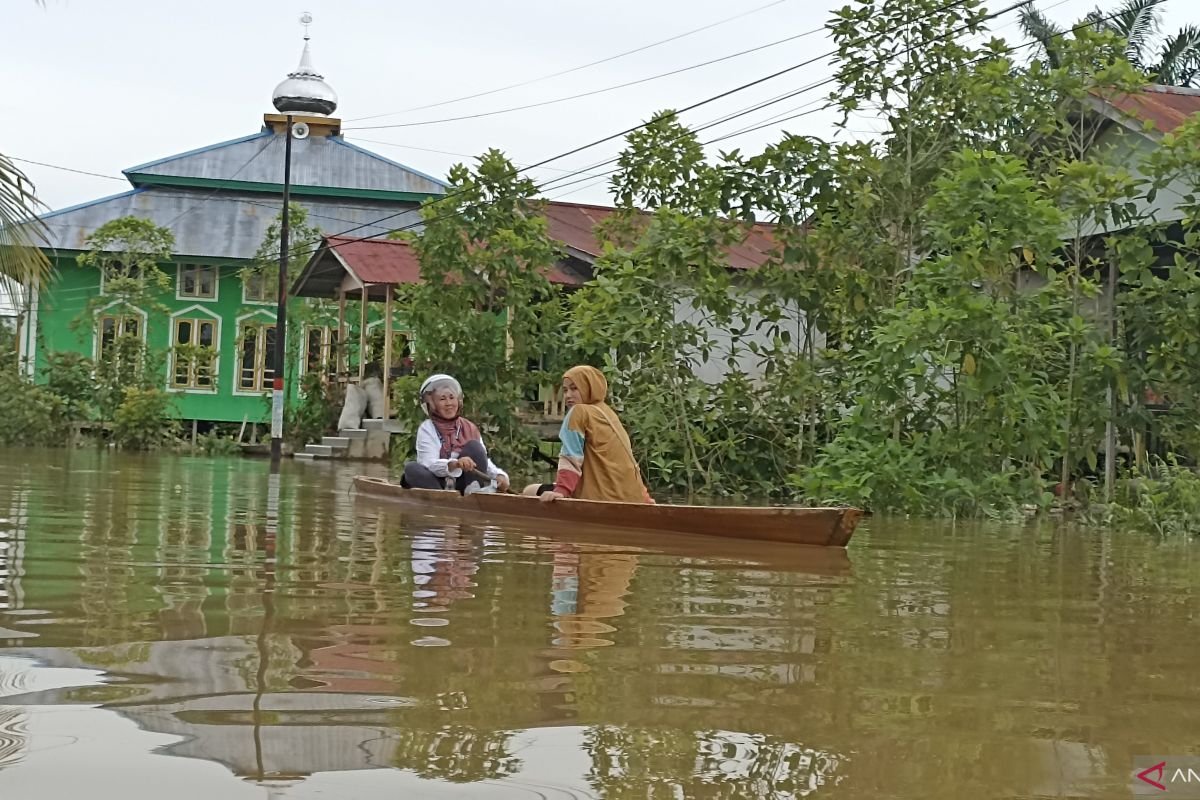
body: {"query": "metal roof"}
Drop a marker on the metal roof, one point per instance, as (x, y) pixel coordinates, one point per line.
(387, 263)
(318, 161)
(221, 223)
(574, 225)
(377, 263)
(1166, 107)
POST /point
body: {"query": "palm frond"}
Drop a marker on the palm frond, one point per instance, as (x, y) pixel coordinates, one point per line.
(1135, 21)
(20, 229)
(1036, 25)
(1179, 59)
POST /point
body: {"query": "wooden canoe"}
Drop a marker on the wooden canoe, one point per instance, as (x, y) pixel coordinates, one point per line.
(827, 527)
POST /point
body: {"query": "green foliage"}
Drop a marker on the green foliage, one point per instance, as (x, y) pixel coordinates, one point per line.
(214, 444)
(303, 239)
(1163, 499)
(70, 376)
(485, 310)
(29, 414)
(127, 363)
(314, 415)
(128, 252)
(144, 419)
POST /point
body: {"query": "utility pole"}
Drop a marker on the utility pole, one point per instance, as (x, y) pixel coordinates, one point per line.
(277, 394)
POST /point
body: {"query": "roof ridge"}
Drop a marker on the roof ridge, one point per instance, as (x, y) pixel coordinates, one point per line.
(1161, 88)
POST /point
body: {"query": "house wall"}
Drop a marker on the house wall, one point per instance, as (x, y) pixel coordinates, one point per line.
(65, 301)
(718, 364)
(1119, 145)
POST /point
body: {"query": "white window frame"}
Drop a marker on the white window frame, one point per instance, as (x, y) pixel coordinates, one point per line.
(128, 311)
(195, 313)
(247, 301)
(263, 319)
(196, 298)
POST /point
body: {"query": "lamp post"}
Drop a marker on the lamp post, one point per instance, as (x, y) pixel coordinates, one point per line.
(281, 312)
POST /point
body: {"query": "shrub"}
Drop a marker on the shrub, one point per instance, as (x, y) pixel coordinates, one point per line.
(144, 420)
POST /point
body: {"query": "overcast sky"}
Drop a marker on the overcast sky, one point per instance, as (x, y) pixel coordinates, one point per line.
(100, 87)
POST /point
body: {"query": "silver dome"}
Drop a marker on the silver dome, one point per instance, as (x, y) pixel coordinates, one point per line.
(304, 91)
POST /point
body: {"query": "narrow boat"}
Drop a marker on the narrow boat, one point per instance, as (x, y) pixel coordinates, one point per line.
(827, 527)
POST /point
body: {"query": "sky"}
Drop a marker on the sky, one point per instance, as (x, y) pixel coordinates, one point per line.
(100, 87)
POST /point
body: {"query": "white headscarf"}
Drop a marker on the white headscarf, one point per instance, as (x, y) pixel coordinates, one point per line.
(435, 382)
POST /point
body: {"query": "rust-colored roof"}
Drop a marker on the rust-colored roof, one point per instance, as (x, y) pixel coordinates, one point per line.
(383, 261)
(1167, 107)
(574, 225)
(377, 260)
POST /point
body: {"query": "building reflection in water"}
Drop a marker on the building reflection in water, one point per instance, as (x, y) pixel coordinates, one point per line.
(281, 630)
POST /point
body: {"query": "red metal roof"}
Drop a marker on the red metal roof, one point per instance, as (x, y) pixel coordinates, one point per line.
(382, 261)
(574, 224)
(1167, 107)
(377, 260)
(387, 261)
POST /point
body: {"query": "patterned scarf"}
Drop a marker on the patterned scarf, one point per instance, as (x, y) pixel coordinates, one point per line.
(454, 433)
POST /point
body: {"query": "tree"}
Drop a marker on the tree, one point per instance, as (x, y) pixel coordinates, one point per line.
(127, 252)
(20, 229)
(485, 310)
(1173, 61)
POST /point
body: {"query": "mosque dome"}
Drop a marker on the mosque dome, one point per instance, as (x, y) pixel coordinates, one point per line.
(305, 90)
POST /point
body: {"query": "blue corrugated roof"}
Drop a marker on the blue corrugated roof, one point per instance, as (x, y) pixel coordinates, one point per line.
(197, 151)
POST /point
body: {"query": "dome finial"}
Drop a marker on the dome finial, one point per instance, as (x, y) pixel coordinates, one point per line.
(305, 90)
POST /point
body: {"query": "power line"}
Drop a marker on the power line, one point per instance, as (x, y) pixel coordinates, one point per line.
(67, 169)
(590, 93)
(574, 69)
(431, 150)
(691, 107)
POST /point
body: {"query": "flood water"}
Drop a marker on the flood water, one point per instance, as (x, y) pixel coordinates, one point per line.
(194, 628)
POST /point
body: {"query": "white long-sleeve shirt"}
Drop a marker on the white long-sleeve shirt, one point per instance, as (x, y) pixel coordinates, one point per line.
(429, 452)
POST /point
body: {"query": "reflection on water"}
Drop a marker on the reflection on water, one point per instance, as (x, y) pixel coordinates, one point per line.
(200, 622)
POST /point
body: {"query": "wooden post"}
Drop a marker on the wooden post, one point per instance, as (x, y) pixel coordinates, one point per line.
(387, 350)
(362, 336)
(339, 364)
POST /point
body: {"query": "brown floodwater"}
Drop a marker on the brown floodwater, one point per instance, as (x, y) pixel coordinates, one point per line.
(196, 628)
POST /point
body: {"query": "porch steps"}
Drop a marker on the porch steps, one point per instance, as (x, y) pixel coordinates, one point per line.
(368, 443)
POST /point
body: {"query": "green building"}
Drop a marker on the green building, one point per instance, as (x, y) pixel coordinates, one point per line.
(218, 201)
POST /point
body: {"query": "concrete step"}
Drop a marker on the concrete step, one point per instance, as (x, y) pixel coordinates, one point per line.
(319, 450)
(304, 456)
(353, 433)
(373, 424)
(336, 442)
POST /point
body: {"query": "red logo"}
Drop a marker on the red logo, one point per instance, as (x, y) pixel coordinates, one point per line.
(1159, 767)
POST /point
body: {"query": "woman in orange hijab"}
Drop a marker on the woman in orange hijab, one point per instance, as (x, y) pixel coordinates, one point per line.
(596, 460)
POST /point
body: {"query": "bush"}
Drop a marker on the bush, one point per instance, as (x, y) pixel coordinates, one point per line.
(30, 414)
(1165, 501)
(69, 375)
(144, 420)
(314, 415)
(214, 444)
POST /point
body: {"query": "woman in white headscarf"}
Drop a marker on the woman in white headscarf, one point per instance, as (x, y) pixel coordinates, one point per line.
(450, 449)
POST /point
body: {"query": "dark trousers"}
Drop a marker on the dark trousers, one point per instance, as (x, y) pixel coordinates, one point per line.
(418, 476)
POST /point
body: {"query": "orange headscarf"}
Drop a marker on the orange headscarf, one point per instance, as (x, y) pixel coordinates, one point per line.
(610, 471)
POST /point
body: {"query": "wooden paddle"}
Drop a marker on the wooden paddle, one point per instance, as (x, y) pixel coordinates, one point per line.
(483, 479)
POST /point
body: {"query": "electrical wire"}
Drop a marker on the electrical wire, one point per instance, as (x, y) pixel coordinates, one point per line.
(560, 73)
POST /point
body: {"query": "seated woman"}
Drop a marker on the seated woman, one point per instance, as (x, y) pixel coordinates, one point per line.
(596, 460)
(450, 450)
